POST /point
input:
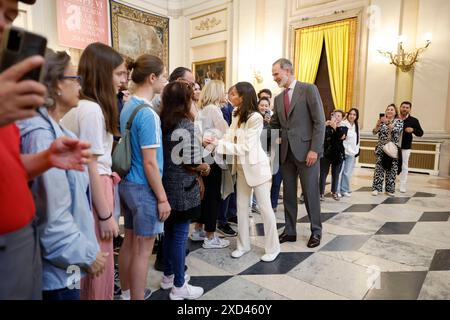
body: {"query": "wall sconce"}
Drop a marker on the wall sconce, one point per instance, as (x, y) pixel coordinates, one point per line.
(406, 60)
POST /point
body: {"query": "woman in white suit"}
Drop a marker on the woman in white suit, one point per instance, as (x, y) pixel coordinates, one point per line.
(252, 166)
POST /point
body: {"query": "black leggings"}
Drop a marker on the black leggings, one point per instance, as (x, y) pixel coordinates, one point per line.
(324, 169)
(212, 198)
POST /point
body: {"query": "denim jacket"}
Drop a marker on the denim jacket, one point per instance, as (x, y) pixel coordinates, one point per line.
(65, 221)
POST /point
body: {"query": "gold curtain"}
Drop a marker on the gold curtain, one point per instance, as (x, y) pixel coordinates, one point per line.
(307, 53)
(340, 40)
(351, 62)
(337, 43)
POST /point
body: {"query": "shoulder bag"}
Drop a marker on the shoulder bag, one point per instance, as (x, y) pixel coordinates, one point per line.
(121, 157)
(391, 148)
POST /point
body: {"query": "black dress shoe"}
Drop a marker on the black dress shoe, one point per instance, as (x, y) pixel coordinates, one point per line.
(287, 238)
(314, 241)
(159, 264)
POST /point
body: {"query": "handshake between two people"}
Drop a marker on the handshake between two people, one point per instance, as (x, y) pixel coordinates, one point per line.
(210, 142)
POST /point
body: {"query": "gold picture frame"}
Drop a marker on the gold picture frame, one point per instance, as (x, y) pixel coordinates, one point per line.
(135, 32)
(206, 70)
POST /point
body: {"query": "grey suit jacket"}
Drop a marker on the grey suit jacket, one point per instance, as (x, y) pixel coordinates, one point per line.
(304, 128)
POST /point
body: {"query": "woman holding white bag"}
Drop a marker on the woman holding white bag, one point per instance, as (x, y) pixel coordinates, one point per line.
(389, 128)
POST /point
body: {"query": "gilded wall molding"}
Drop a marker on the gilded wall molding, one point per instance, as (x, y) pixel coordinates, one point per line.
(208, 24)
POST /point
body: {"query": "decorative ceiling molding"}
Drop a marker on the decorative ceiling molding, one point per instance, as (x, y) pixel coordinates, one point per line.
(175, 13)
(175, 4)
(304, 4)
(306, 11)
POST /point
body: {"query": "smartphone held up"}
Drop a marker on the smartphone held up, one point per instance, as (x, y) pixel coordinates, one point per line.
(333, 117)
(18, 44)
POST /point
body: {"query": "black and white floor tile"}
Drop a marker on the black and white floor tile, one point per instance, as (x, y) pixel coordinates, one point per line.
(373, 247)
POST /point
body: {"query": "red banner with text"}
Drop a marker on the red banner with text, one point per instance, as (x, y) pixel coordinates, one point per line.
(81, 22)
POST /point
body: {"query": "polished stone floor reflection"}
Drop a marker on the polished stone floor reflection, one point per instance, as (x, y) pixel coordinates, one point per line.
(372, 248)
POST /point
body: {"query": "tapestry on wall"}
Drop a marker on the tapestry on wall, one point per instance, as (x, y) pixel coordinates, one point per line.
(135, 32)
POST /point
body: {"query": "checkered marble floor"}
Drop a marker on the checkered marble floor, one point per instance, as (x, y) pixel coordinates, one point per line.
(372, 248)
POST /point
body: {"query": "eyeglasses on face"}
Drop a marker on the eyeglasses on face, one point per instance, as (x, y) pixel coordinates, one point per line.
(79, 79)
(185, 82)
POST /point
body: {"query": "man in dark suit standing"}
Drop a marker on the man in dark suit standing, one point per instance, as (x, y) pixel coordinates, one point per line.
(410, 126)
(298, 112)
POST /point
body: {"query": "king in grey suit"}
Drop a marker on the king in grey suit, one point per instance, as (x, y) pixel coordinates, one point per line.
(302, 123)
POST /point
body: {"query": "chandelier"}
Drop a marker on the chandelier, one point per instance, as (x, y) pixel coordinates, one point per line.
(406, 60)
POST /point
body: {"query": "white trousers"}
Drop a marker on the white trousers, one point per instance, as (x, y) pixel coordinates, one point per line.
(243, 197)
(404, 173)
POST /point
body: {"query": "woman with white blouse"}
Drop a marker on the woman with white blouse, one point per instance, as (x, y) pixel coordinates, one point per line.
(103, 72)
(351, 146)
(210, 123)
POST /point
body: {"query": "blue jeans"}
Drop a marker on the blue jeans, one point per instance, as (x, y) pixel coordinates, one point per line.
(61, 294)
(228, 209)
(174, 246)
(346, 174)
(275, 190)
(140, 209)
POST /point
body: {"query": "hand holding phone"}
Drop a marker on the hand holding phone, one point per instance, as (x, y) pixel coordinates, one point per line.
(18, 44)
(19, 99)
(267, 116)
(333, 117)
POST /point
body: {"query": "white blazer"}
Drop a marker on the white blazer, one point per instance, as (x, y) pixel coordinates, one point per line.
(247, 149)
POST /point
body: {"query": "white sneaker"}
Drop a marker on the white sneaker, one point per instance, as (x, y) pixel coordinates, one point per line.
(198, 235)
(269, 257)
(390, 194)
(374, 192)
(147, 294)
(167, 281)
(402, 190)
(215, 243)
(347, 194)
(238, 253)
(186, 292)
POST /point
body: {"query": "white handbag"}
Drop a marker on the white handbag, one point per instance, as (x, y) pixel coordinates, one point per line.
(391, 150)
